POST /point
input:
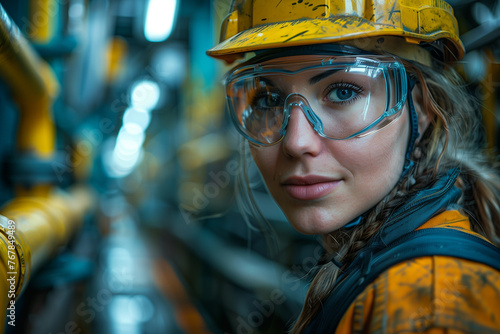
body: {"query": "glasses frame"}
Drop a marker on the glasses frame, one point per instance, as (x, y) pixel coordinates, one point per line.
(385, 63)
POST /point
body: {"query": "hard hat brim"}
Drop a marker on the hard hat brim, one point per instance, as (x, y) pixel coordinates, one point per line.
(328, 30)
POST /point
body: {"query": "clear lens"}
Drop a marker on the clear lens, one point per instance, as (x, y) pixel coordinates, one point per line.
(342, 97)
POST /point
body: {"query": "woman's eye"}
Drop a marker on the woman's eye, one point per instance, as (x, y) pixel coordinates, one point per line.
(269, 100)
(343, 94)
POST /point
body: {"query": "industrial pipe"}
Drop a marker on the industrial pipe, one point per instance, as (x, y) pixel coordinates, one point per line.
(33, 230)
(41, 219)
(33, 87)
(43, 16)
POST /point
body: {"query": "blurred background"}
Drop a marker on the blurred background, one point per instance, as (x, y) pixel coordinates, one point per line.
(118, 165)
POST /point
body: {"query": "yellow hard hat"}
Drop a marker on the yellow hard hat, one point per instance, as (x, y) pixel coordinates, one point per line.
(253, 25)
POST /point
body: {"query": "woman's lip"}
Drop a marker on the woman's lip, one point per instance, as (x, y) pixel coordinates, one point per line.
(309, 188)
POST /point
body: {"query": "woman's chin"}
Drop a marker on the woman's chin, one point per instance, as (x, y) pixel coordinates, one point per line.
(314, 226)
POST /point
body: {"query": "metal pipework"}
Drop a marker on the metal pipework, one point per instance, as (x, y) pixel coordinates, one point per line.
(43, 15)
(33, 230)
(41, 219)
(33, 87)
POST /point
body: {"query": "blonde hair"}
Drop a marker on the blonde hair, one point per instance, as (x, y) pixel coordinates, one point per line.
(454, 138)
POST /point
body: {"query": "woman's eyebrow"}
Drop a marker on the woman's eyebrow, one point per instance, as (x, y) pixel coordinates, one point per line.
(317, 78)
(258, 81)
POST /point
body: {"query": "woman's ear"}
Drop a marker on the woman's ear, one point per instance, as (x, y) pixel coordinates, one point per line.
(423, 118)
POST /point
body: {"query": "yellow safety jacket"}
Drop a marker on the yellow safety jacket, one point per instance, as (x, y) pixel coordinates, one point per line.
(430, 294)
(425, 271)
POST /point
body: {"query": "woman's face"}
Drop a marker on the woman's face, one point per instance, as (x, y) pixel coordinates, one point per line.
(322, 184)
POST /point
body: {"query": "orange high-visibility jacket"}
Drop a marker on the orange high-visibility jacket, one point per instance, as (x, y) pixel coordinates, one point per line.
(430, 294)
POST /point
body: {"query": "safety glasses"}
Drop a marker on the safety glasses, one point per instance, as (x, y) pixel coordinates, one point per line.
(342, 96)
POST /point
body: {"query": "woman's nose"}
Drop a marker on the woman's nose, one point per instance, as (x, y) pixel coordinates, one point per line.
(300, 136)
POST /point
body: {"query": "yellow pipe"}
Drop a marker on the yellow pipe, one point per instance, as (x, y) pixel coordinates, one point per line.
(33, 87)
(115, 58)
(36, 229)
(43, 14)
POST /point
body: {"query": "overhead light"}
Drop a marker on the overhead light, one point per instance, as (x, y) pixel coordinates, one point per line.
(160, 19)
(145, 94)
(140, 117)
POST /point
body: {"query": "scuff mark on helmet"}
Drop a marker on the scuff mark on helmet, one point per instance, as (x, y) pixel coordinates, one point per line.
(299, 34)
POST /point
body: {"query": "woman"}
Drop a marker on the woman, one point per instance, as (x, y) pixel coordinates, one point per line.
(363, 134)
